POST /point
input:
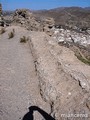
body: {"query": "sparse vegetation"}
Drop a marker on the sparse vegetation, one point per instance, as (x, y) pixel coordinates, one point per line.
(11, 34)
(2, 30)
(86, 61)
(24, 39)
(81, 52)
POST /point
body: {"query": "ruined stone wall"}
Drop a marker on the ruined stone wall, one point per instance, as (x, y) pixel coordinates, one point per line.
(0, 9)
(27, 19)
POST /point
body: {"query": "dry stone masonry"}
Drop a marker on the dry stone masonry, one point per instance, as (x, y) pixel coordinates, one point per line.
(1, 17)
(27, 19)
(0, 9)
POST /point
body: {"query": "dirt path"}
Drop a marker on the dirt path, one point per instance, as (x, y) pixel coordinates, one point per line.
(18, 81)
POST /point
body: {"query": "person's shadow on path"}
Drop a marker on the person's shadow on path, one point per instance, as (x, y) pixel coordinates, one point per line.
(29, 115)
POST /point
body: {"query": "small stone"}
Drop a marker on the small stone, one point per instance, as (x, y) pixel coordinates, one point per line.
(70, 93)
(88, 104)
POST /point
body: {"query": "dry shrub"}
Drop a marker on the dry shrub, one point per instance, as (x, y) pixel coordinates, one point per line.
(11, 34)
(2, 30)
(24, 39)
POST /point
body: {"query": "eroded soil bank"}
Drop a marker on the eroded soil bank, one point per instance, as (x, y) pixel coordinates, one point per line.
(43, 73)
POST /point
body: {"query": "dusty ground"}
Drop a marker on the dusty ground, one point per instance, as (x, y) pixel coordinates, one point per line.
(18, 81)
(42, 73)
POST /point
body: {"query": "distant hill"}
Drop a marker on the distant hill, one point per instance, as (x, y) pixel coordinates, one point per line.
(7, 12)
(87, 8)
(68, 16)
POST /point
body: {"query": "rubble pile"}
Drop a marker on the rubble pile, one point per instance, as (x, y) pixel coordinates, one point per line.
(25, 18)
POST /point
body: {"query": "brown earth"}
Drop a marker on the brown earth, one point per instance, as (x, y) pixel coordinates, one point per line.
(40, 72)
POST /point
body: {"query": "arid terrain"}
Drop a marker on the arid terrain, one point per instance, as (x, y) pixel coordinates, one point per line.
(68, 16)
(45, 63)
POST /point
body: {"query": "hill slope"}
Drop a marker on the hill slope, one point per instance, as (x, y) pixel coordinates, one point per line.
(68, 16)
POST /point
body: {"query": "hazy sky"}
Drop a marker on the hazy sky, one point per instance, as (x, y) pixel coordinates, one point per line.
(42, 4)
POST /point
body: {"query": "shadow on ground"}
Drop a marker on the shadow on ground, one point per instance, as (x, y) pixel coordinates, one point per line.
(29, 115)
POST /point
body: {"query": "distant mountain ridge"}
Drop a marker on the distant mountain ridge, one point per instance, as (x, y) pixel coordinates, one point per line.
(68, 16)
(87, 8)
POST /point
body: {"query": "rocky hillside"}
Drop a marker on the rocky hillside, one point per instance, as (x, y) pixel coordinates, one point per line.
(79, 43)
(68, 16)
(44, 68)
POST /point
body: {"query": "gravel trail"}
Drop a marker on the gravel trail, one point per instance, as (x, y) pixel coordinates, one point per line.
(18, 81)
